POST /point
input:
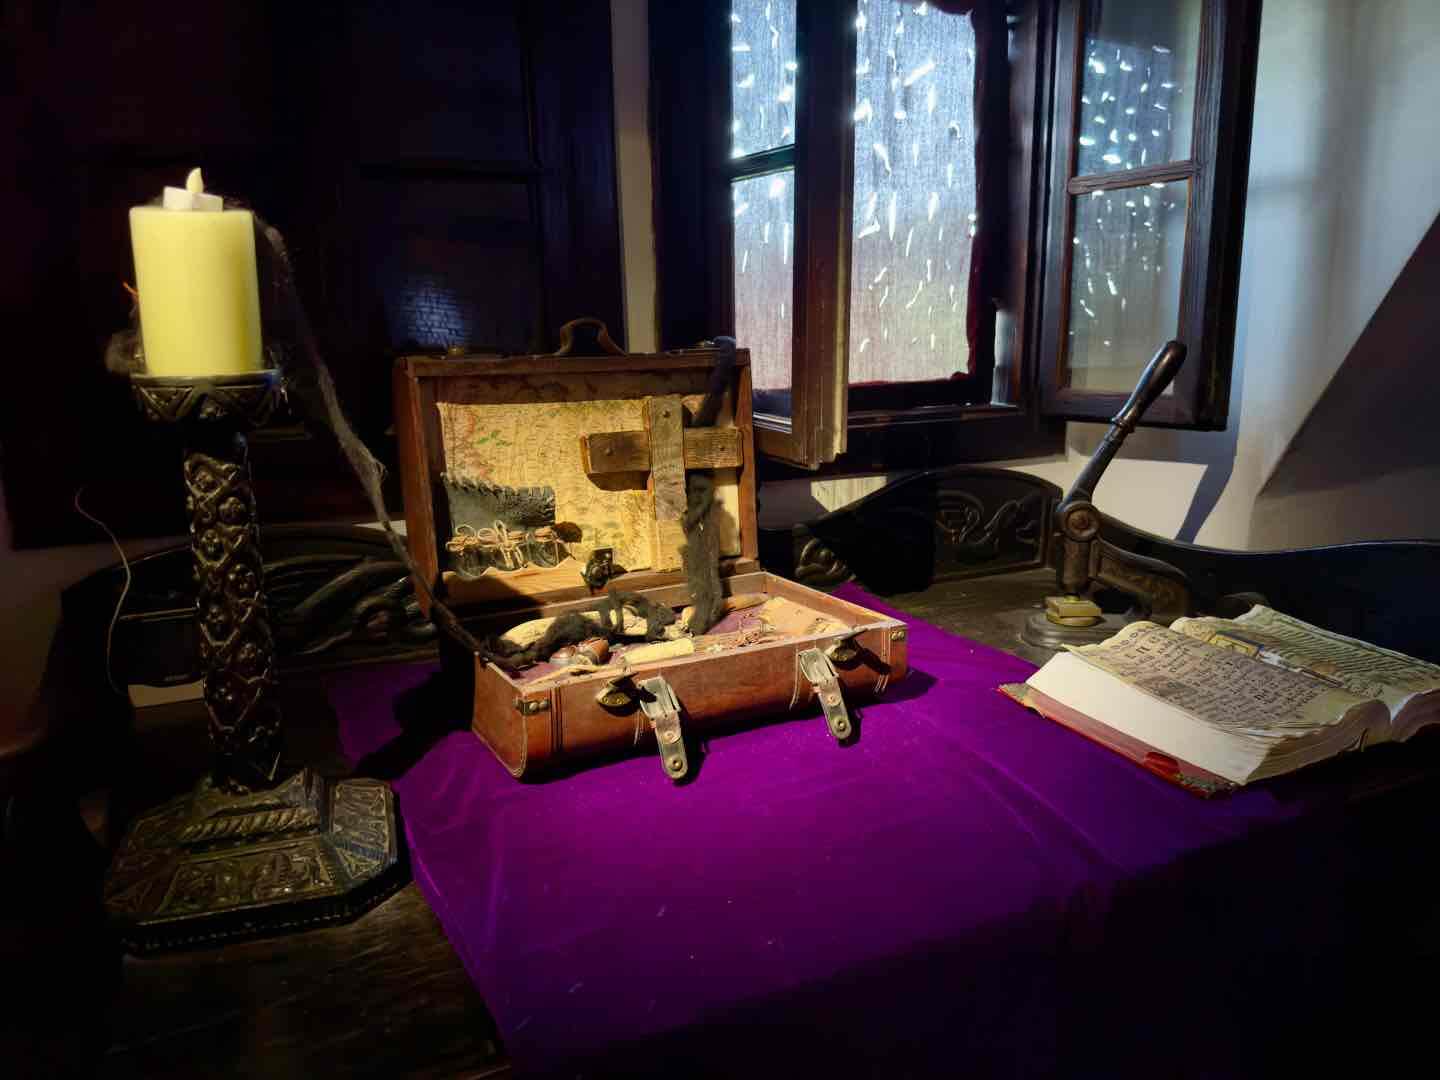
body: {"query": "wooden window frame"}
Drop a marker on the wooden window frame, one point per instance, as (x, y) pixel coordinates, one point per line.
(1028, 396)
(1217, 171)
(822, 159)
(690, 80)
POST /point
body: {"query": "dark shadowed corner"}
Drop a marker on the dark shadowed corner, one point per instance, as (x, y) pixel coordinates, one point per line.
(1347, 476)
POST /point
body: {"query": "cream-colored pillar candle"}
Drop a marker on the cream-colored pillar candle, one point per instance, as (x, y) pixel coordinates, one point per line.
(195, 273)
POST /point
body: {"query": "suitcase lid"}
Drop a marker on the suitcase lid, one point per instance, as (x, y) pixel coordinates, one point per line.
(516, 470)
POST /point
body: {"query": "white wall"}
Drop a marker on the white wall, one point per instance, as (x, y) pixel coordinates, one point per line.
(1344, 181)
(30, 584)
(630, 52)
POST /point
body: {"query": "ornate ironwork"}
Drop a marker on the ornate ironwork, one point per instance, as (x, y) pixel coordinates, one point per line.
(320, 603)
(959, 522)
(237, 651)
(819, 567)
(1085, 564)
(236, 647)
(243, 401)
(248, 851)
(335, 593)
(212, 866)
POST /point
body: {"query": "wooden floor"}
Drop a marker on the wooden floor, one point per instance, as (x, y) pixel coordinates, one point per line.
(384, 996)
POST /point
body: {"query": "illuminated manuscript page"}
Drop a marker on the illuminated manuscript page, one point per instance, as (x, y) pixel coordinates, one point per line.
(1226, 690)
(1286, 642)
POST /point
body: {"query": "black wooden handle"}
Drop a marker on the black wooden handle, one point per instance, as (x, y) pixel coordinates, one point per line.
(1158, 374)
(602, 336)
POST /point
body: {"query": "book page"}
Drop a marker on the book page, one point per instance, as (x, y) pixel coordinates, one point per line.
(1274, 638)
(1224, 689)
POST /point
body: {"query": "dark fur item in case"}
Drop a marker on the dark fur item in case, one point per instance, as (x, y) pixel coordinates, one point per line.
(569, 629)
(701, 554)
(574, 628)
(612, 610)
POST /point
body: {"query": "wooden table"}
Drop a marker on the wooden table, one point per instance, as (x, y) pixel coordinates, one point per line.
(384, 995)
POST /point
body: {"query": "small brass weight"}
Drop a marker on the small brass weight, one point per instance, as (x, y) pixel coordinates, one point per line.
(253, 848)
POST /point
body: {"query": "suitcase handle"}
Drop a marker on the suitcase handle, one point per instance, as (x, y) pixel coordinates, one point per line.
(602, 337)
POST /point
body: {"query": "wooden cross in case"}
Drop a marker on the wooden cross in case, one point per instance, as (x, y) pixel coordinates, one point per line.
(665, 449)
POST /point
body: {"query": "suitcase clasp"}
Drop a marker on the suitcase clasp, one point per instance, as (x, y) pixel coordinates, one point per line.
(619, 695)
(662, 709)
(844, 651)
(820, 673)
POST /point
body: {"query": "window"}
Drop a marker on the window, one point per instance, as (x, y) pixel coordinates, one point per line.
(1148, 188)
(788, 132)
(763, 80)
(920, 215)
(933, 124)
(914, 187)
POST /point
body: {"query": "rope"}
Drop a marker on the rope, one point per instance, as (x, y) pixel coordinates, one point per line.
(369, 471)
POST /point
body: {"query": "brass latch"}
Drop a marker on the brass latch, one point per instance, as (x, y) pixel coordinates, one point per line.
(662, 709)
(820, 673)
(845, 651)
(619, 695)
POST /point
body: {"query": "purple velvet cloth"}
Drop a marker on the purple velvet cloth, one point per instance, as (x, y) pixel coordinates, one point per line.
(967, 888)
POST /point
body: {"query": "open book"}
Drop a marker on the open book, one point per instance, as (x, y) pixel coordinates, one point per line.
(1212, 702)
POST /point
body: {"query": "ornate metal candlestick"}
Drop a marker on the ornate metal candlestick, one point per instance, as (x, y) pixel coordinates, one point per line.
(250, 850)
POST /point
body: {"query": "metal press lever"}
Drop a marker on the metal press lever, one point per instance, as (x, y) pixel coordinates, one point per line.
(1159, 590)
(1158, 374)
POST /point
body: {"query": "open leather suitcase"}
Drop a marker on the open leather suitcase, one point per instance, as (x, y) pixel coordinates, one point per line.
(517, 470)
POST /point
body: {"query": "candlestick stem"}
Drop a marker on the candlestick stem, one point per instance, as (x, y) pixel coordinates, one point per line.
(236, 647)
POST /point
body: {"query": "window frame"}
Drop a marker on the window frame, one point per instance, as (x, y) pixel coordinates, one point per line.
(690, 87)
(1019, 411)
(815, 430)
(1217, 170)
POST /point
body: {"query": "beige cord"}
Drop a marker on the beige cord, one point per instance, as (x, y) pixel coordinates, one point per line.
(110, 631)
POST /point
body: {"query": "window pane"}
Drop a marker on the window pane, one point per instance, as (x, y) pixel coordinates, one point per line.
(1137, 94)
(764, 282)
(762, 75)
(914, 192)
(1127, 252)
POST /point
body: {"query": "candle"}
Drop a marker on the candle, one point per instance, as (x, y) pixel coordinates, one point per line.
(195, 273)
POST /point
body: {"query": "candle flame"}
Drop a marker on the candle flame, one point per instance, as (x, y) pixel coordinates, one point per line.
(195, 183)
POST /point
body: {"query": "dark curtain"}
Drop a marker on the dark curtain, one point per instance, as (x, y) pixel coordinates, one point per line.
(992, 106)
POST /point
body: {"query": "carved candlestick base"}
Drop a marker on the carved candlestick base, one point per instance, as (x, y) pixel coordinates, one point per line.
(213, 866)
(250, 851)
